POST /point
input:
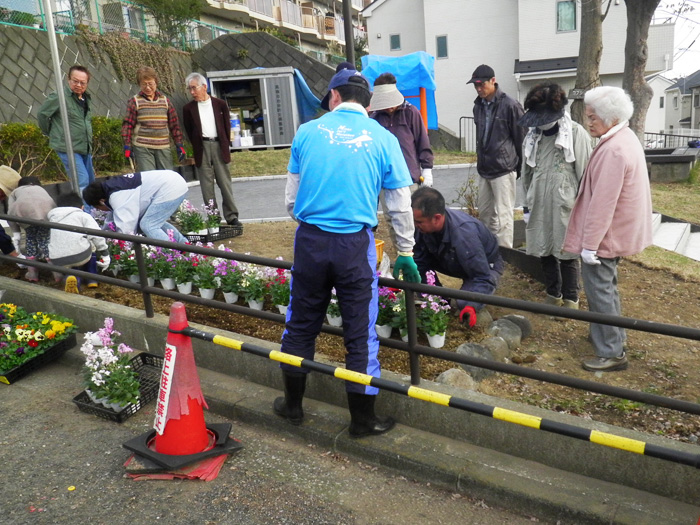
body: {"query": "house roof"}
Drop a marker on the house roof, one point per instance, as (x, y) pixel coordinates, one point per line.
(548, 64)
(684, 84)
(367, 11)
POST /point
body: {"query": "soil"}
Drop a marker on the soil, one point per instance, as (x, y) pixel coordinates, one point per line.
(659, 364)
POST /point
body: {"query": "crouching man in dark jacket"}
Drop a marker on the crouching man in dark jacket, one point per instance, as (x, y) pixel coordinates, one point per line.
(454, 243)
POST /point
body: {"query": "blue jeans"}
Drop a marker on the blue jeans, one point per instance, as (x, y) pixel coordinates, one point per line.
(154, 223)
(83, 166)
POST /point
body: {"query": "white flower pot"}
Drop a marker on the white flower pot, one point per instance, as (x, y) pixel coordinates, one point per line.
(207, 293)
(383, 330)
(334, 321)
(404, 337)
(151, 281)
(230, 297)
(213, 230)
(203, 231)
(185, 288)
(255, 305)
(168, 283)
(135, 279)
(282, 308)
(436, 341)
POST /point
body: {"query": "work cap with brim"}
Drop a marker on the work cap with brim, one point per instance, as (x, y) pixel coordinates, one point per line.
(345, 77)
(483, 73)
(345, 65)
(536, 117)
(9, 179)
(385, 96)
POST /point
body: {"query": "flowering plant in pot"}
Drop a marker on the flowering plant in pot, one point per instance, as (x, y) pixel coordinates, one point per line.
(189, 218)
(25, 335)
(433, 311)
(387, 300)
(205, 272)
(254, 283)
(230, 276)
(185, 267)
(279, 287)
(109, 376)
(213, 219)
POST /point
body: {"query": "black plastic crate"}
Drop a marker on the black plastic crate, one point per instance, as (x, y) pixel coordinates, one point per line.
(148, 367)
(38, 361)
(225, 232)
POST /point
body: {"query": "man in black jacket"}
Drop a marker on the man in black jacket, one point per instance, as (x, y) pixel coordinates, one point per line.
(499, 141)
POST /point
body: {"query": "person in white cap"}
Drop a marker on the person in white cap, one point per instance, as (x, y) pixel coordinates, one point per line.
(9, 179)
(404, 121)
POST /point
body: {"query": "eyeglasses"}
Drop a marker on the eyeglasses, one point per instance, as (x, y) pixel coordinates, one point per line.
(79, 82)
(148, 84)
(193, 88)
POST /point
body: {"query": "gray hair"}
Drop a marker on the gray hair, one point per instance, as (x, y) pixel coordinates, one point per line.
(611, 104)
(201, 79)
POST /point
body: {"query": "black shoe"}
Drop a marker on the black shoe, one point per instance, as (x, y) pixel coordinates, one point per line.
(235, 222)
(289, 406)
(363, 421)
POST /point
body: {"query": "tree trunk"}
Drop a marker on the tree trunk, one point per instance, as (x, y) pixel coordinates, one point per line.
(639, 14)
(589, 54)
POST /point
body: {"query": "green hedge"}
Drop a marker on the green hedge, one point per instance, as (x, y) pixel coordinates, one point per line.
(26, 149)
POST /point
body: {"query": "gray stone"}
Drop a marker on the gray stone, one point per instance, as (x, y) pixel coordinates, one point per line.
(497, 346)
(476, 350)
(483, 318)
(523, 322)
(458, 378)
(508, 330)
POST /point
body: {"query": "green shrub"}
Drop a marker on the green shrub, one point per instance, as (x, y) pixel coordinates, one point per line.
(108, 153)
(26, 149)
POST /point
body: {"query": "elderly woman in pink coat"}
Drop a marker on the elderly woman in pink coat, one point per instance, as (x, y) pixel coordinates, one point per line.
(611, 217)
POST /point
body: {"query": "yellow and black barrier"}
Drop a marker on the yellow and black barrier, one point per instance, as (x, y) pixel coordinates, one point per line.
(503, 414)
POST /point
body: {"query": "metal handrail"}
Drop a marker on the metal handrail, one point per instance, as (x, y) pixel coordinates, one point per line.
(414, 349)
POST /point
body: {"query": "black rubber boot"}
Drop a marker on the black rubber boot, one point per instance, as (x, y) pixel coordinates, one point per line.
(363, 421)
(289, 406)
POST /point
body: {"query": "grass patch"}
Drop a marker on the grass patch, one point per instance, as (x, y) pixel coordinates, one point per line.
(677, 199)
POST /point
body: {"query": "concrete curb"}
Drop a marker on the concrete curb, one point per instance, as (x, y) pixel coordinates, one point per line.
(545, 474)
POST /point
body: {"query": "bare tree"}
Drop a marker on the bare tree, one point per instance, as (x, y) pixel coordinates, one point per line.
(639, 15)
(590, 51)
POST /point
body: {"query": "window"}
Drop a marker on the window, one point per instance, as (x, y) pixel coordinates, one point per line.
(394, 42)
(696, 100)
(441, 45)
(675, 102)
(661, 102)
(566, 15)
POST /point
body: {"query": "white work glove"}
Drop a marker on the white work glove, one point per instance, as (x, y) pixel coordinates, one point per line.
(16, 238)
(589, 256)
(20, 256)
(103, 262)
(526, 217)
(427, 176)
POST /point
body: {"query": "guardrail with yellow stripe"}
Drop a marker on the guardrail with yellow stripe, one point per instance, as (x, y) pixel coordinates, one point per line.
(502, 414)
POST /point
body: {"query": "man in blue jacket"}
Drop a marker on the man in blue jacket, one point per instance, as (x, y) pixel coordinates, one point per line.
(499, 145)
(454, 243)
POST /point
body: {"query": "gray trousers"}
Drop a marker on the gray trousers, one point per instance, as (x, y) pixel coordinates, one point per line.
(496, 201)
(600, 283)
(215, 169)
(148, 159)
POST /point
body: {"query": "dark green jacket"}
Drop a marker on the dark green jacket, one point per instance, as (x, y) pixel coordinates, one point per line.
(80, 123)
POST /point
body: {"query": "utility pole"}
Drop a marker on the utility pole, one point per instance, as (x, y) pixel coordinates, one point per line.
(349, 33)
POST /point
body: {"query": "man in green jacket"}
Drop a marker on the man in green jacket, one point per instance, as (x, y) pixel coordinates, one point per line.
(79, 109)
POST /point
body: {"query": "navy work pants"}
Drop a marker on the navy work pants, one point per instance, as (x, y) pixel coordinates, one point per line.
(323, 260)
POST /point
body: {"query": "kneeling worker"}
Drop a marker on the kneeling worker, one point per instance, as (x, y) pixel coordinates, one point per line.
(454, 243)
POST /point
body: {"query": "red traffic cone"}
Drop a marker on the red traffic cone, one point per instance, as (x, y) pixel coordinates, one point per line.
(180, 425)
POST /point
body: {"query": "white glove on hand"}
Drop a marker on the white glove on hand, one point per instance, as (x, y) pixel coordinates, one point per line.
(103, 262)
(589, 256)
(427, 175)
(526, 217)
(16, 238)
(20, 265)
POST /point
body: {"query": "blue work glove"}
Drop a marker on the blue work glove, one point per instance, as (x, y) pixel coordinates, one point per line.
(127, 152)
(181, 153)
(406, 265)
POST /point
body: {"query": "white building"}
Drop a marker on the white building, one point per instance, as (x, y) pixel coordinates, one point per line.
(656, 114)
(525, 41)
(683, 104)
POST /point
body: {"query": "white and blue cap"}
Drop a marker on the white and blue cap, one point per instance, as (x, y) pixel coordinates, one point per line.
(345, 77)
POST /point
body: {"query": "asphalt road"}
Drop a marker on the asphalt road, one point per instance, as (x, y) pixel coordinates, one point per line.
(262, 198)
(61, 465)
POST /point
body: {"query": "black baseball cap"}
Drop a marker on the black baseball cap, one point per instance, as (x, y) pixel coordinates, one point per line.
(482, 73)
(343, 78)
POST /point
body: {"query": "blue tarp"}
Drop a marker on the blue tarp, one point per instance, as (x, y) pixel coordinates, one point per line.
(309, 105)
(412, 72)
